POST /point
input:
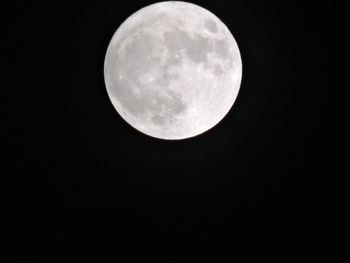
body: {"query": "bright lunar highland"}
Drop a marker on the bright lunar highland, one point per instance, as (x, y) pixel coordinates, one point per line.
(173, 70)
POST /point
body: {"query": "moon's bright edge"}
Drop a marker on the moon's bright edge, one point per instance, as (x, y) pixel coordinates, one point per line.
(173, 70)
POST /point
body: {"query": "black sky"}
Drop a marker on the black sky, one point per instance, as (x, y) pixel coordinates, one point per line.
(80, 183)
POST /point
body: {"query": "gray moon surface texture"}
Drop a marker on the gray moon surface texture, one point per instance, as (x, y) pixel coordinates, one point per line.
(173, 70)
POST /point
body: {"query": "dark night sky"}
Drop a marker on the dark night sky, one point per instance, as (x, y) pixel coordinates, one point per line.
(80, 183)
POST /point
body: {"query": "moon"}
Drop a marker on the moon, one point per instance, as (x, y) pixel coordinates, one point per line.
(173, 70)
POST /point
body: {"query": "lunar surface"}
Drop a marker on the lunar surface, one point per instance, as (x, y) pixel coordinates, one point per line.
(173, 70)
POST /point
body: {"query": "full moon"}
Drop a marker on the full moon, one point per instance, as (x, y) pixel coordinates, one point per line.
(173, 70)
